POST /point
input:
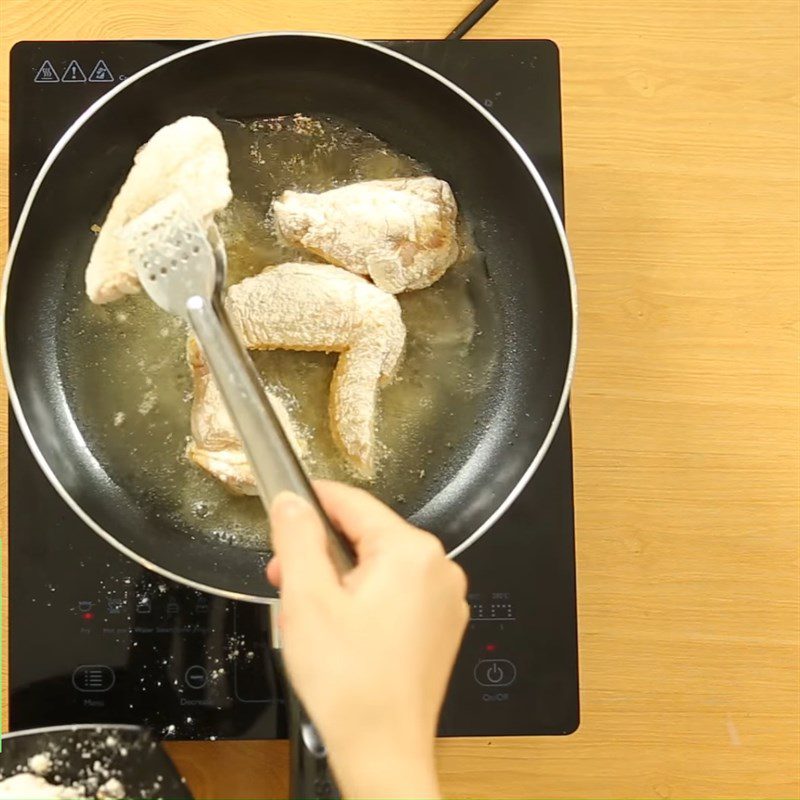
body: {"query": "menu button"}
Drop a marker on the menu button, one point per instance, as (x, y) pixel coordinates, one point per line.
(93, 678)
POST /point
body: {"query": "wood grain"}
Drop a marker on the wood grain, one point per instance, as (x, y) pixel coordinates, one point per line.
(681, 147)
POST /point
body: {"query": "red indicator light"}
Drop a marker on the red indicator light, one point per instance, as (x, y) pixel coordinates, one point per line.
(490, 648)
(88, 615)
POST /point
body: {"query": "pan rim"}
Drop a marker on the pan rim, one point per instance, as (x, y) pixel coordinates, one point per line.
(80, 726)
(99, 103)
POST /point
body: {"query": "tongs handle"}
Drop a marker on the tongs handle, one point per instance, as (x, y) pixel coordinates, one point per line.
(276, 466)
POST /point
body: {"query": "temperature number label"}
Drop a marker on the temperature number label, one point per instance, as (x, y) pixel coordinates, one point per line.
(497, 608)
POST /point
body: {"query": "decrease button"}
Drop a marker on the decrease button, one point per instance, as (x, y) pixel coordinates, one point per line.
(196, 677)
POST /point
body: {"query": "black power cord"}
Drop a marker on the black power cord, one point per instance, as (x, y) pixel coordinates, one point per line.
(472, 19)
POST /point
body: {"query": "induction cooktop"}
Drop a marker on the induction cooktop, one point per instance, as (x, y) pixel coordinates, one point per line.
(94, 637)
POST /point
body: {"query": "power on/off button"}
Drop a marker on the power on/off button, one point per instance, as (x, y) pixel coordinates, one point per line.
(495, 672)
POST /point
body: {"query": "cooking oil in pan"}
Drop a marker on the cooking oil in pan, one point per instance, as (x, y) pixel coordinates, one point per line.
(131, 387)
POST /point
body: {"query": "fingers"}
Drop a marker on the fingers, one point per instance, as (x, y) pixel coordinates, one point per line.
(303, 565)
(364, 519)
(360, 516)
(460, 585)
(458, 579)
(274, 572)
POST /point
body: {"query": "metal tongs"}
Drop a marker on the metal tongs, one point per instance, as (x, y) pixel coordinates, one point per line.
(181, 263)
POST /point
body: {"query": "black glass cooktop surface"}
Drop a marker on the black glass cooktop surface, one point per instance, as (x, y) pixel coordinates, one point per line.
(94, 637)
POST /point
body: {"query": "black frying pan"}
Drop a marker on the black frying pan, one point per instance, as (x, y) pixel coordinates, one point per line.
(419, 113)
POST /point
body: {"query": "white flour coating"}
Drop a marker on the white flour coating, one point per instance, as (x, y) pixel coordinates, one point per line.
(27, 786)
(40, 764)
(297, 306)
(149, 402)
(187, 156)
(401, 232)
(112, 789)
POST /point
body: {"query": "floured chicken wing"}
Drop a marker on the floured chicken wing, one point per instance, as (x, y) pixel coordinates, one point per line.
(298, 306)
(215, 444)
(400, 232)
(187, 156)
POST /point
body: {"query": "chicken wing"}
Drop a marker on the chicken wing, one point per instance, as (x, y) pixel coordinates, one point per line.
(400, 232)
(298, 306)
(187, 156)
(215, 445)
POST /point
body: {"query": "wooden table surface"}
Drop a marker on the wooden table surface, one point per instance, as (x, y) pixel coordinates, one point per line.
(681, 150)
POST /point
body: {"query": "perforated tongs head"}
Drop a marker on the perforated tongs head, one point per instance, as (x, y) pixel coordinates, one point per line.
(176, 256)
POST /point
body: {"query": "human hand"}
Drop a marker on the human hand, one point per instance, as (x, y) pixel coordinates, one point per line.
(369, 654)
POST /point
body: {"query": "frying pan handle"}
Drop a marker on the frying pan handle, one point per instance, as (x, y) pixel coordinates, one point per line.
(275, 464)
(309, 771)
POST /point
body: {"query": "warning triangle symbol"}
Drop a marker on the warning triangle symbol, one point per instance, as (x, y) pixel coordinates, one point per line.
(73, 73)
(101, 73)
(46, 74)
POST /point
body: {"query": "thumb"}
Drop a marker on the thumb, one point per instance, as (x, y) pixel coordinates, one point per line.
(300, 544)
